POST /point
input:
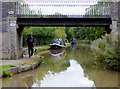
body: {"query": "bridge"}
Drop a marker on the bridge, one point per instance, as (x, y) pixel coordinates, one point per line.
(84, 13)
(88, 16)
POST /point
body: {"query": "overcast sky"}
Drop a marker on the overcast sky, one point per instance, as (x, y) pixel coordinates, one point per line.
(78, 8)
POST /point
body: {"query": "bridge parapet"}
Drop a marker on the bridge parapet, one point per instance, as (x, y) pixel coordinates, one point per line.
(63, 9)
(91, 9)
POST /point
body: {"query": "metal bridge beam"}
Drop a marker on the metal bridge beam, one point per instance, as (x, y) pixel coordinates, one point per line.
(71, 22)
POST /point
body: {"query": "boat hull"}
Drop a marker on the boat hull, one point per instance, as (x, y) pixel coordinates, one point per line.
(56, 46)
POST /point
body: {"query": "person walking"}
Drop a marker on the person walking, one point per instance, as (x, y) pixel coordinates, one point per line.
(30, 45)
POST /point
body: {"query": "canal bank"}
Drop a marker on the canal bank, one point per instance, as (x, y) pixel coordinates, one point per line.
(74, 68)
(107, 51)
(11, 67)
(21, 66)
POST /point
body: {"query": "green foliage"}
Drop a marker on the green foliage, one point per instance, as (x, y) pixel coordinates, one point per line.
(7, 73)
(84, 33)
(99, 59)
(70, 33)
(27, 62)
(4, 58)
(43, 48)
(4, 67)
(43, 52)
(42, 35)
(95, 43)
(83, 41)
(102, 45)
(108, 53)
(45, 35)
(60, 33)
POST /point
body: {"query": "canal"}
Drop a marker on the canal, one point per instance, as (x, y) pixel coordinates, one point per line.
(69, 67)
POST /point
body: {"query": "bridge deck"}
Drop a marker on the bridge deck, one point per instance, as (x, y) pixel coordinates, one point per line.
(72, 22)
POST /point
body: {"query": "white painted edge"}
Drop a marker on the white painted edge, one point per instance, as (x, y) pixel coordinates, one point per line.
(56, 44)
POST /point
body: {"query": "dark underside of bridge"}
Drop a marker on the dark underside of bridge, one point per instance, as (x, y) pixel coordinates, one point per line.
(66, 22)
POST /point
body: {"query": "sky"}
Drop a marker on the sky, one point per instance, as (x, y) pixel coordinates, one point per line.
(78, 9)
(56, 80)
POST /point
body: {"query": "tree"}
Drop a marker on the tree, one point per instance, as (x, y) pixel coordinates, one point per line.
(60, 33)
(42, 35)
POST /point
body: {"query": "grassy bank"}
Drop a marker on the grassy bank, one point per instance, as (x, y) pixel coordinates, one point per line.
(5, 72)
(43, 48)
(27, 62)
(4, 67)
(9, 70)
(107, 51)
(43, 52)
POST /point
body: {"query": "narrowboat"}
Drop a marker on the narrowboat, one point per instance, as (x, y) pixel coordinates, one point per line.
(56, 44)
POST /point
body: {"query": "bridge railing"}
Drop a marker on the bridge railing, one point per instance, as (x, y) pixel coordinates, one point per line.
(76, 9)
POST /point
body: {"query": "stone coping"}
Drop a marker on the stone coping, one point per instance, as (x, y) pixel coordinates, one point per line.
(20, 68)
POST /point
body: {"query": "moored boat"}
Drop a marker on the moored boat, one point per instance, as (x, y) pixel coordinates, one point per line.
(73, 42)
(56, 44)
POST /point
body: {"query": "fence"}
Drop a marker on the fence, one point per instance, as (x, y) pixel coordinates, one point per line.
(63, 9)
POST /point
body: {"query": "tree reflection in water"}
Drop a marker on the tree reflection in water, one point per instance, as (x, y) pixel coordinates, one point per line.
(84, 59)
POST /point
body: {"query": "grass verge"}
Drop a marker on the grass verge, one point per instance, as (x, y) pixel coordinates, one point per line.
(5, 67)
(5, 72)
(43, 48)
(27, 62)
(43, 52)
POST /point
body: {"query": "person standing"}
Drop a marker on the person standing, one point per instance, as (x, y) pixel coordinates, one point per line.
(30, 45)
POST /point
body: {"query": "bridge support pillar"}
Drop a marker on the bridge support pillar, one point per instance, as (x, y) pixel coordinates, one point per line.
(16, 38)
(114, 26)
(13, 34)
(19, 42)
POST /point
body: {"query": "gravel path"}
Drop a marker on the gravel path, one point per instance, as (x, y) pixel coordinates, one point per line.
(15, 62)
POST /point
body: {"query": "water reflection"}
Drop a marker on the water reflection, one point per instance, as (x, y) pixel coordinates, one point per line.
(74, 46)
(29, 81)
(57, 54)
(74, 67)
(72, 77)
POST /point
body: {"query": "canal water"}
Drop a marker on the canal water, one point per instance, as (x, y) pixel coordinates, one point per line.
(70, 67)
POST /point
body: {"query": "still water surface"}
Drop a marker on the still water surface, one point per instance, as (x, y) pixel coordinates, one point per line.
(70, 67)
